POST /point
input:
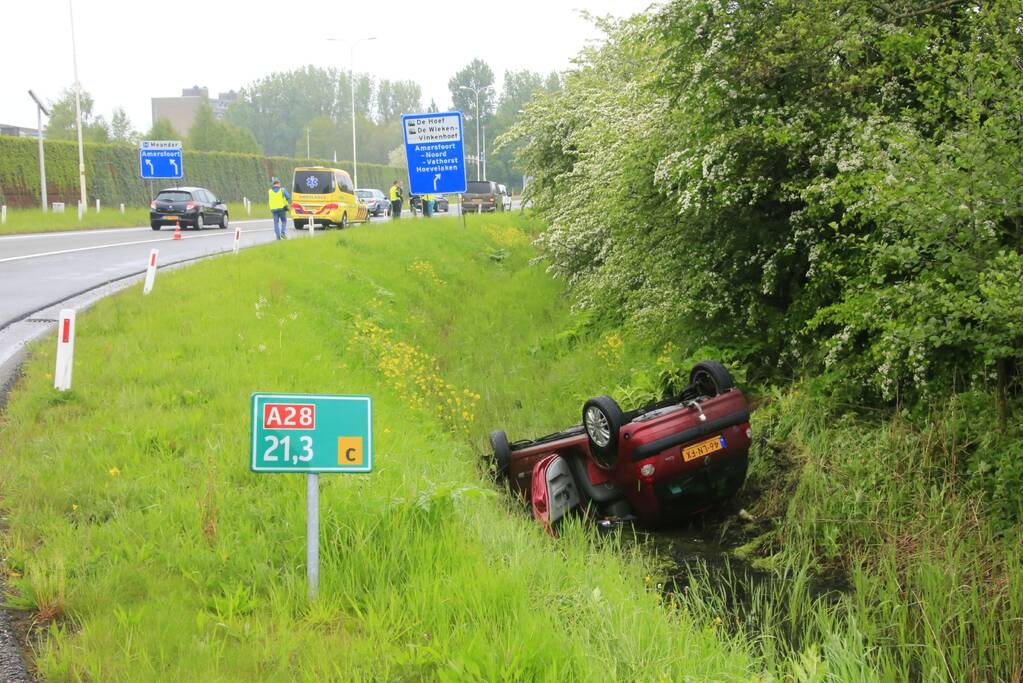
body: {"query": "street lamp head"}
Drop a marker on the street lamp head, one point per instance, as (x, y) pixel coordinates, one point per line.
(39, 103)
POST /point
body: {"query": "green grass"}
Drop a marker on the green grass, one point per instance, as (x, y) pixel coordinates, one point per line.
(24, 221)
(150, 552)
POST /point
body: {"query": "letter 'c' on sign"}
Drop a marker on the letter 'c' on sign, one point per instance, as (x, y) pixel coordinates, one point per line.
(349, 450)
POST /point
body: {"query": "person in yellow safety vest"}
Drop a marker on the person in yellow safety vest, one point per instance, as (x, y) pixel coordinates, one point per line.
(279, 200)
(397, 195)
(428, 203)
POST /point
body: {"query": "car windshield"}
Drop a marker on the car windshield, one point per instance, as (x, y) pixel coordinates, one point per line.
(313, 182)
(478, 187)
(177, 196)
(365, 194)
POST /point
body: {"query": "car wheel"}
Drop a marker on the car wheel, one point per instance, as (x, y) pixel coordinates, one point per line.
(502, 454)
(154, 226)
(223, 221)
(344, 221)
(710, 378)
(199, 222)
(603, 420)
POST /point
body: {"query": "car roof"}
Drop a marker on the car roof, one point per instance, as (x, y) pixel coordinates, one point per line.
(189, 188)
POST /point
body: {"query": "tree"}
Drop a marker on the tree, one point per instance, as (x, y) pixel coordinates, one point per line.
(395, 98)
(477, 74)
(62, 126)
(207, 134)
(121, 129)
(162, 130)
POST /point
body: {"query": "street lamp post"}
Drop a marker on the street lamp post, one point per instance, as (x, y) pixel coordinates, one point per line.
(78, 109)
(351, 80)
(40, 110)
(477, 92)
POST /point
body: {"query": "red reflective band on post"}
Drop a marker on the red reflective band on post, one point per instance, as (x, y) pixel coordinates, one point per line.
(289, 416)
(152, 259)
(66, 334)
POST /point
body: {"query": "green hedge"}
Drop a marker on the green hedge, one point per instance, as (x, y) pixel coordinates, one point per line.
(112, 173)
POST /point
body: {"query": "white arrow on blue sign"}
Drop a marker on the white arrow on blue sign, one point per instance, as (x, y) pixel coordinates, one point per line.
(435, 152)
(160, 161)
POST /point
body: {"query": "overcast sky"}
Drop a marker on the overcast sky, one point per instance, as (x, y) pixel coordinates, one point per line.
(132, 50)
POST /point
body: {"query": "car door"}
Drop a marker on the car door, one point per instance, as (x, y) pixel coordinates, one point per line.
(216, 208)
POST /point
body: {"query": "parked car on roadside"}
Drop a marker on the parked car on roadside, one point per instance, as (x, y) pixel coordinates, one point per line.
(440, 203)
(505, 197)
(656, 464)
(187, 206)
(482, 196)
(376, 203)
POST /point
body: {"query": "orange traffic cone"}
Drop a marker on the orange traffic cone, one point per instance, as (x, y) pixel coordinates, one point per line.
(177, 229)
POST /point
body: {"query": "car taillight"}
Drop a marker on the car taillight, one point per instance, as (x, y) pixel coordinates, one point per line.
(491, 200)
(191, 205)
(152, 204)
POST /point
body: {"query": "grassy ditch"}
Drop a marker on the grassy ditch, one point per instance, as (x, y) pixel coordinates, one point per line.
(24, 221)
(146, 550)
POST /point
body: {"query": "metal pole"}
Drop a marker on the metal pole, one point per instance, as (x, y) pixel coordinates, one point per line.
(351, 81)
(483, 159)
(307, 154)
(78, 108)
(42, 160)
(477, 135)
(312, 546)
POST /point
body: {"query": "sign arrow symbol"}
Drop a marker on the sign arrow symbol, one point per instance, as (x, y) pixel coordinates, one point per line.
(435, 179)
(150, 165)
(175, 165)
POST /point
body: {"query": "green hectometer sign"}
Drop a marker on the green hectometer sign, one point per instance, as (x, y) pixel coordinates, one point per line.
(311, 433)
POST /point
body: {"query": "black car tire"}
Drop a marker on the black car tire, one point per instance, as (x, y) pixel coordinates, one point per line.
(199, 225)
(344, 221)
(155, 226)
(502, 454)
(603, 419)
(223, 221)
(710, 378)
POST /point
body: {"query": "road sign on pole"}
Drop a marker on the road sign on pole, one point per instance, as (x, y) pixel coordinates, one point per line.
(435, 151)
(161, 159)
(312, 433)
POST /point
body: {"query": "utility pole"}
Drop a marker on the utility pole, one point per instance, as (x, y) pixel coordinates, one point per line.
(351, 81)
(40, 110)
(78, 109)
(477, 91)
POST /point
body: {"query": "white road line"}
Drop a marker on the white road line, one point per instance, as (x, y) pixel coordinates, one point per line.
(85, 231)
(119, 244)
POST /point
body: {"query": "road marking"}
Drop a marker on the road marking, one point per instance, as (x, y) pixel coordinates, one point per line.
(118, 244)
(103, 231)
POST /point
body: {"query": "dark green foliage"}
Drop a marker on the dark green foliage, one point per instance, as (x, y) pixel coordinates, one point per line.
(112, 173)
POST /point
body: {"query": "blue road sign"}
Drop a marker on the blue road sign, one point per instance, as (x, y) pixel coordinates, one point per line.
(435, 152)
(157, 159)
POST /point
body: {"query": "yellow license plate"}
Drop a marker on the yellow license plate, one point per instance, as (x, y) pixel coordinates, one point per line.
(170, 217)
(703, 448)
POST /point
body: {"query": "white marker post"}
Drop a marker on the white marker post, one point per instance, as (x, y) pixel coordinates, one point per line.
(151, 271)
(312, 528)
(3, 214)
(122, 209)
(97, 204)
(65, 350)
(237, 238)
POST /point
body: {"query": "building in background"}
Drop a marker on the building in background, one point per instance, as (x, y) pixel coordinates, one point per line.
(18, 131)
(181, 111)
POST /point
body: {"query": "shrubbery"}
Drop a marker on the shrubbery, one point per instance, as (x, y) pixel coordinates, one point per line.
(112, 173)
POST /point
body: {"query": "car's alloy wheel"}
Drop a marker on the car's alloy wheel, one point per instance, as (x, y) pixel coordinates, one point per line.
(199, 222)
(344, 221)
(603, 420)
(223, 221)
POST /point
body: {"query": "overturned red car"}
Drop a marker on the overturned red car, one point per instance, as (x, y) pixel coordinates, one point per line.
(656, 465)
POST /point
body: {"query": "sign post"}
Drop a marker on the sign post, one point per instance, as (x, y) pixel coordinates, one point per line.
(65, 350)
(435, 150)
(311, 433)
(150, 271)
(161, 159)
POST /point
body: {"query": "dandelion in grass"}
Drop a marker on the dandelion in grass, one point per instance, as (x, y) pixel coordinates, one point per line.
(114, 472)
